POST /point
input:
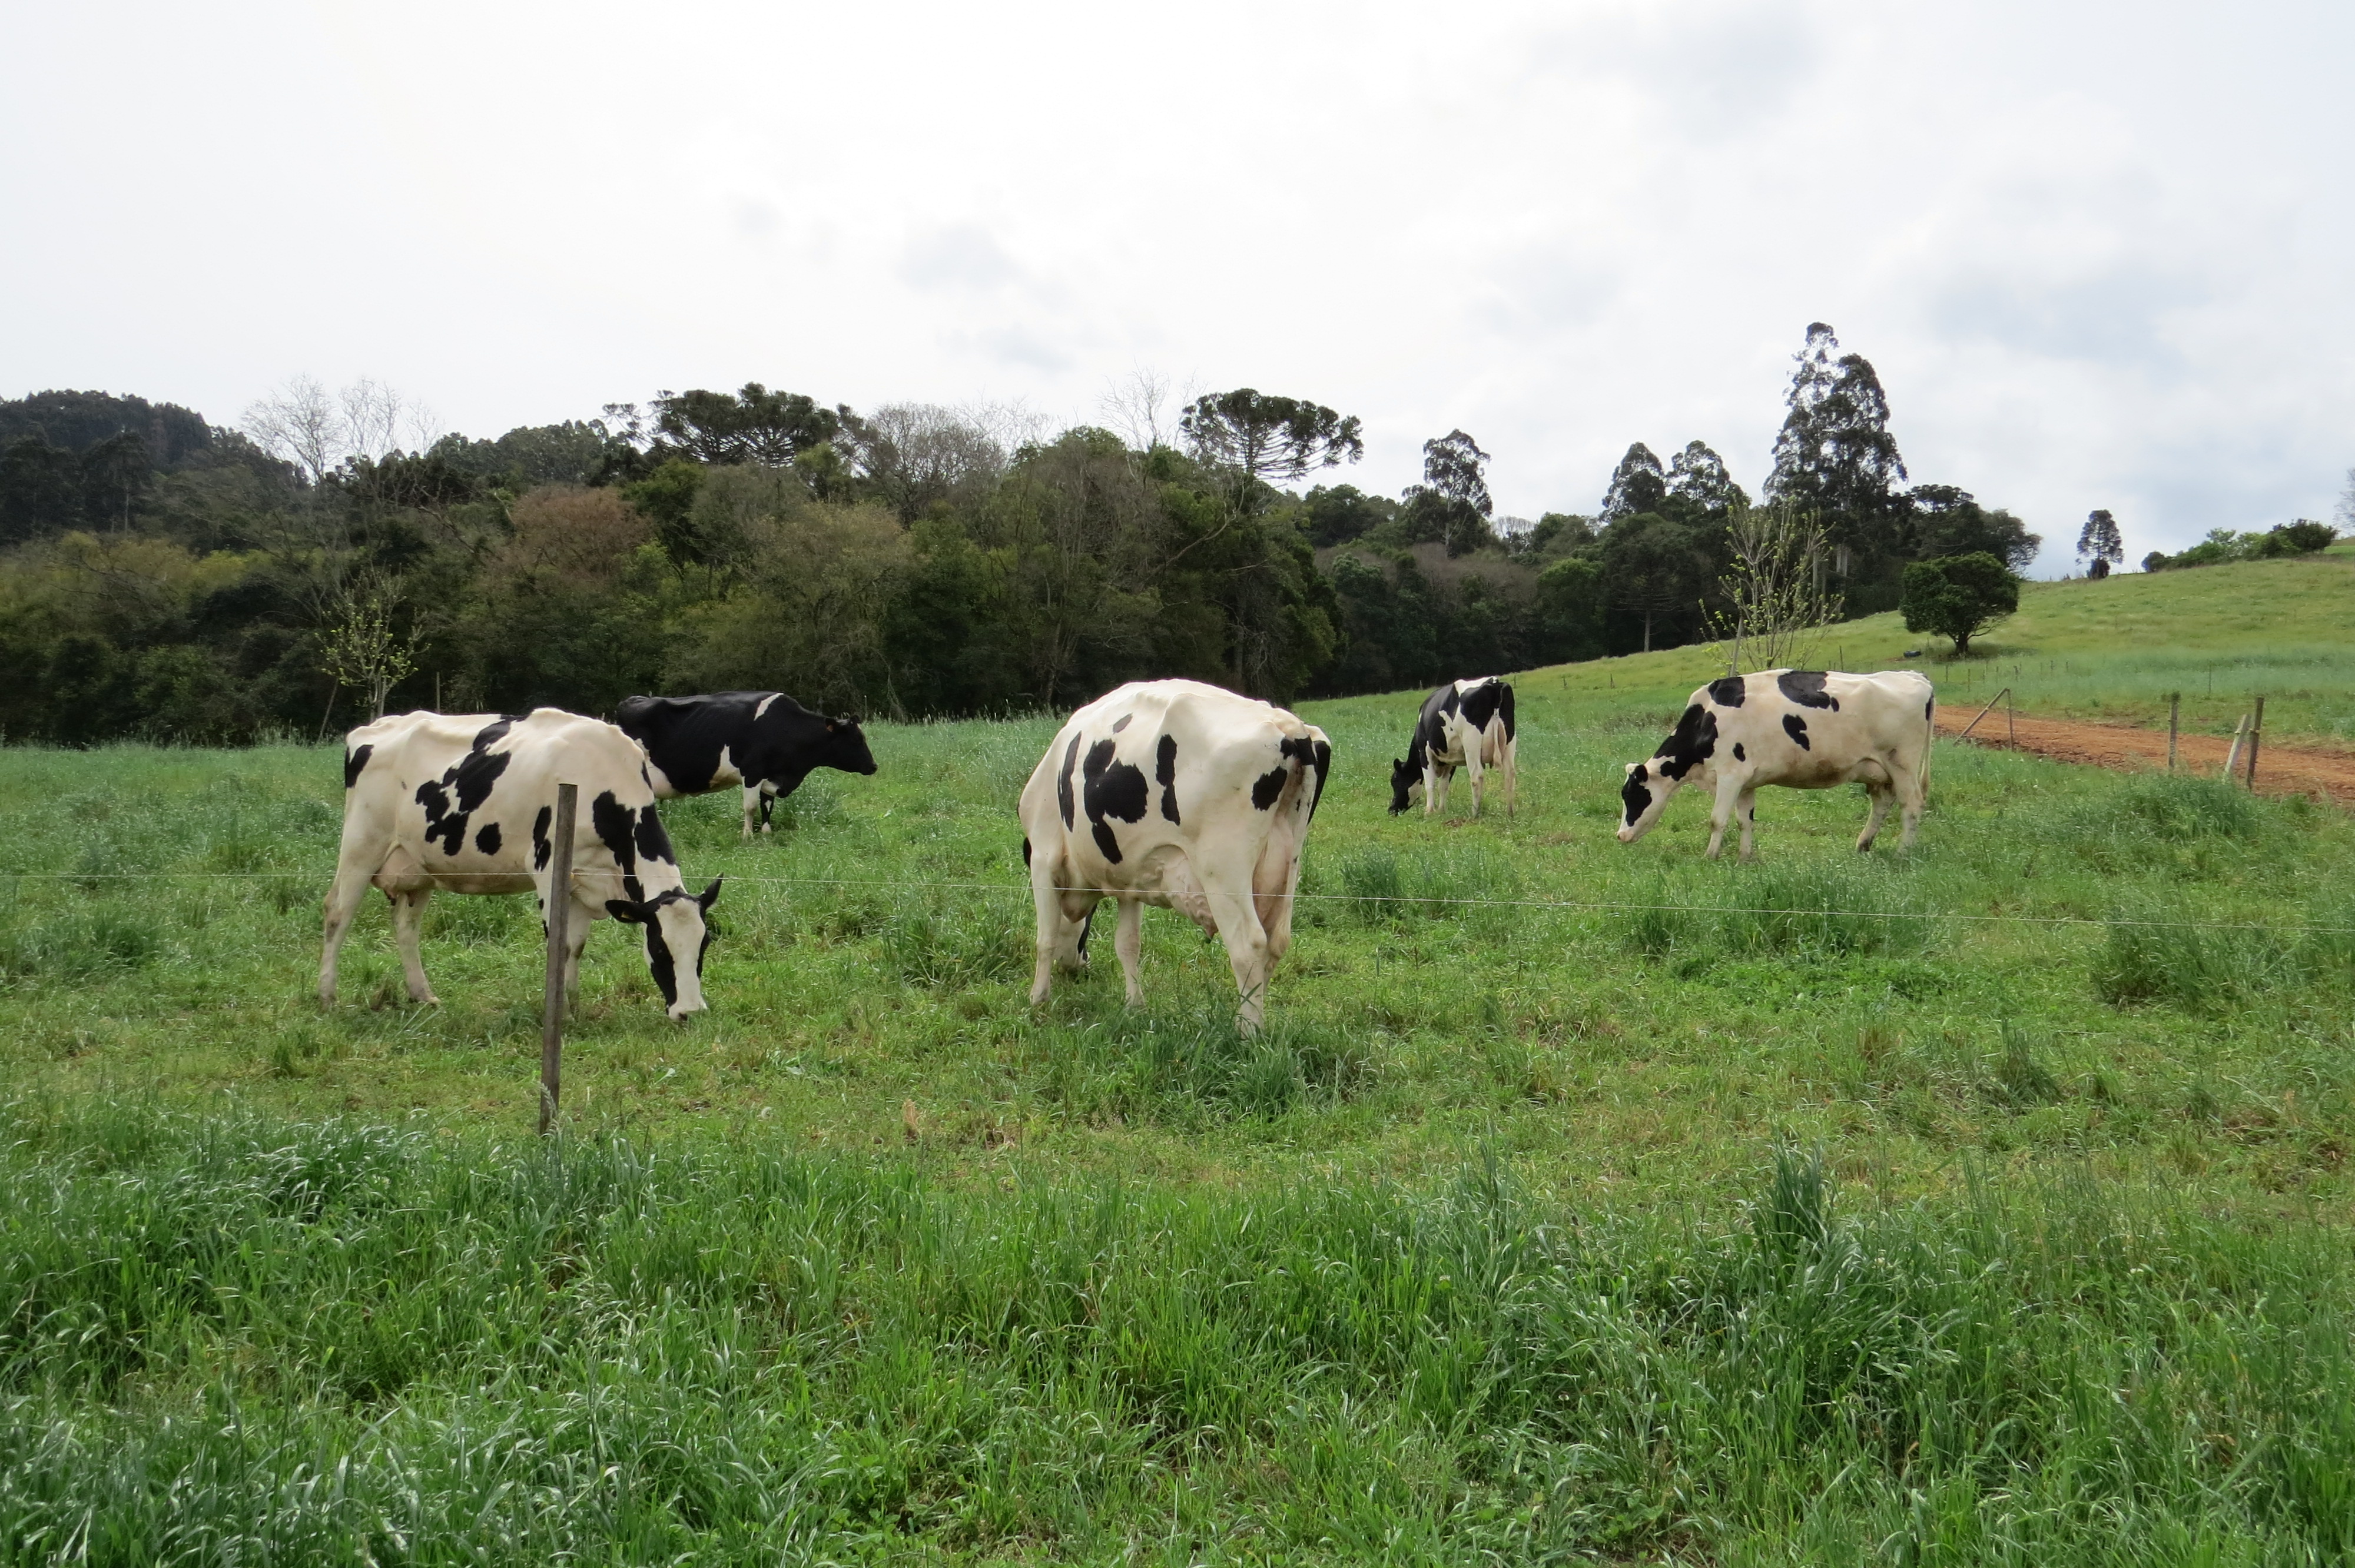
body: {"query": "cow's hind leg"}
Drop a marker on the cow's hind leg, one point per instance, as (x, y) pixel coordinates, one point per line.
(1912, 794)
(408, 925)
(1128, 941)
(344, 899)
(1237, 915)
(1435, 782)
(1480, 775)
(1747, 810)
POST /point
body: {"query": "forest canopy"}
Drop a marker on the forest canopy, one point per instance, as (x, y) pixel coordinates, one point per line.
(167, 577)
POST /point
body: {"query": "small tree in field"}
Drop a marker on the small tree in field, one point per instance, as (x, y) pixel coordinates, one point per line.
(1773, 590)
(1959, 597)
(2100, 543)
(359, 648)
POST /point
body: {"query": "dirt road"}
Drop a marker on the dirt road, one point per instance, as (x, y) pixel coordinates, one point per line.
(2281, 769)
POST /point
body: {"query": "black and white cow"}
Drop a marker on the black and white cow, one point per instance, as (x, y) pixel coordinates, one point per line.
(1469, 725)
(1175, 793)
(1805, 729)
(763, 741)
(465, 803)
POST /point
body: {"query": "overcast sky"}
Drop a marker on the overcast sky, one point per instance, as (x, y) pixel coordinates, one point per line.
(2100, 253)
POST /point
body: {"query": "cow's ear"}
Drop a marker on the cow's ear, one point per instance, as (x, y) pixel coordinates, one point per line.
(626, 911)
(1634, 768)
(711, 894)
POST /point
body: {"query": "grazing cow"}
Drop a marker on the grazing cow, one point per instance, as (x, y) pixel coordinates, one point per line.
(1175, 793)
(463, 803)
(1469, 725)
(1802, 728)
(764, 741)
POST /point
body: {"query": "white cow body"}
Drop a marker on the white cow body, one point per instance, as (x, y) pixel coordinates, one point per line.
(1179, 794)
(465, 803)
(1467, 724)
(1803, 730)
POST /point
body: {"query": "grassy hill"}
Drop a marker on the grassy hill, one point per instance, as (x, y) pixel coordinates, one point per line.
(2109, 651)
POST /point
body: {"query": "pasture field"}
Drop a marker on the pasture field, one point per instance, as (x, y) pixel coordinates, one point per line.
(1642, 1210)
(2110, 651)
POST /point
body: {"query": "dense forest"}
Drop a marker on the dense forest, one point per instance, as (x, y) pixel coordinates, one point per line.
(167, 577)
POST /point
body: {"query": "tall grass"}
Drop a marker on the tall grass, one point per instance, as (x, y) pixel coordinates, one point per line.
(232, 1340)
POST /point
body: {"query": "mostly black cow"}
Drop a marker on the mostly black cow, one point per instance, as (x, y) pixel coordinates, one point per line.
(465, 803)
(1805, 729)
(1175, 793)
(762, 741)
(1468, 724)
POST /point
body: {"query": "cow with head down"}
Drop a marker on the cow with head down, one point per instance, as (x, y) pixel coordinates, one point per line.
(1179, 794)
(466, 803)
(1466, 724)
(1803, 730)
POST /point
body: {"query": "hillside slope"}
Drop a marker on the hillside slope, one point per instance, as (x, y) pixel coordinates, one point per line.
(2109, 651)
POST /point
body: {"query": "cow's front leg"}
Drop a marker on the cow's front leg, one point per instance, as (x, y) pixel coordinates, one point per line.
(408, 924)
(1128, 941)
(1883, 797)
(751, 805)
(576, 937)
(344, 899)
(1721, 815)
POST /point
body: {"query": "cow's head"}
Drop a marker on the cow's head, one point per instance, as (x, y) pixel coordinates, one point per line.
(1645, 793)
(675, 937)
(845, 747)
(1404, 777)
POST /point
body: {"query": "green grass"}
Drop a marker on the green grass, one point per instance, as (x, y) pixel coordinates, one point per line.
(2110, 651)
(1983, 1204)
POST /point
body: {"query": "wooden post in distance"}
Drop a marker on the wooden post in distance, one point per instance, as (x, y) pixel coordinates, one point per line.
(2256, 727)
(560, 931)
(2174, 713)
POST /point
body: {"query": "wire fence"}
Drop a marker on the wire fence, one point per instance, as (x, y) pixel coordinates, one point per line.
(1024, 888)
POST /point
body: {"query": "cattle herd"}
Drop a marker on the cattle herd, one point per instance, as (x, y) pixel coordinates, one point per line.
(1165, 792)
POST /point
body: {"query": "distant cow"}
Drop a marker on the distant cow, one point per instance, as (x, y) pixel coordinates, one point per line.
(465, 803)
(764, 741)
(1469, 725)
(1175, 793)
(1802, 728)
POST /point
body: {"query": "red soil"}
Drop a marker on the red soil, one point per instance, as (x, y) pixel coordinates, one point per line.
(2281, 769)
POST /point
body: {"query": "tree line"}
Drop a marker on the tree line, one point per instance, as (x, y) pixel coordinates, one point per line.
(162, 575)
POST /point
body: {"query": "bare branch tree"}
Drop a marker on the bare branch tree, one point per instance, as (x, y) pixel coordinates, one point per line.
(299, 423)
(1138, 407)
(1776, 600)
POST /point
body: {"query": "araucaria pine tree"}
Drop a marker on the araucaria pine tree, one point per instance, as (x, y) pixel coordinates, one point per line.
(2099, 543)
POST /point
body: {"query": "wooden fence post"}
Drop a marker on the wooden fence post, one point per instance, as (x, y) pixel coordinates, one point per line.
(560, 932)
(2174, 713)
(2256, 728)
(2233, 753)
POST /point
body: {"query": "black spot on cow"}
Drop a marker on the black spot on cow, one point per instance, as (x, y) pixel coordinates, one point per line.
(653, 843)
(1739, 755)
(1121, 723)
(1165, 773)
(1063, 783)
(1112, 790)
(1026, 849)
(1325, 766)
(1728, 691)
(1480, 704)
(486, 840)
(541, 849)
(1927, 709)
(461, 791)
(1268, 786)
(353, 760)
(492, 733)
(617, 828)
(1636, 793)
(1690, 744)
(440, 823)
(1805, 687)
(1796, 728)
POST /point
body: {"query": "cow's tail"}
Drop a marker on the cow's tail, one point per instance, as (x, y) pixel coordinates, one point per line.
(1505, 706)
(1929, 741)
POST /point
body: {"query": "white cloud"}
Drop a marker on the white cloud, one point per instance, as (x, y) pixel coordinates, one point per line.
(2098, 251)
